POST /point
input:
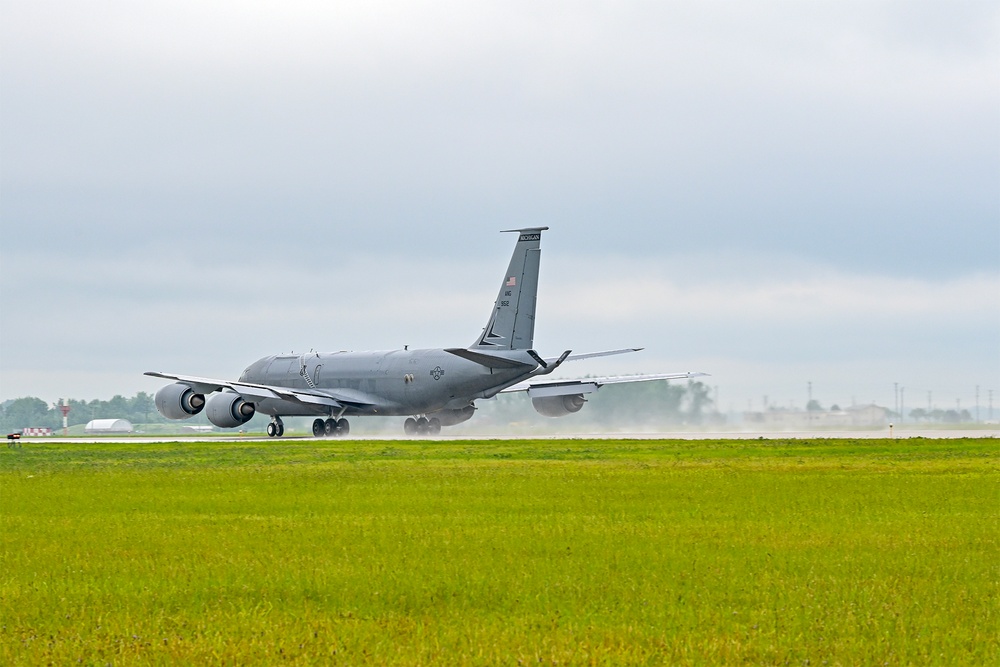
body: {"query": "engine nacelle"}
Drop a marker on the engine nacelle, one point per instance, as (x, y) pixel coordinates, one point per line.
(178, 401)
(452, 417)
(228, 409)
(558, 406)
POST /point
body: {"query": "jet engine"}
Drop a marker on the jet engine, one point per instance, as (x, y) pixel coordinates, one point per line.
(558, 406)
(228, 409)
(178, 401)
(452, 417)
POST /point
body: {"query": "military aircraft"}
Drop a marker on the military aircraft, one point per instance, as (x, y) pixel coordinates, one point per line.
(431, 388)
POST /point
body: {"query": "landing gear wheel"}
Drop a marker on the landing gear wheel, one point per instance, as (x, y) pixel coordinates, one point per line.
(433, 425)
(271, 430)
(330, 426)
(410, 426)
(318, 427)
(280, 430)
(422, 426)
(343, 427)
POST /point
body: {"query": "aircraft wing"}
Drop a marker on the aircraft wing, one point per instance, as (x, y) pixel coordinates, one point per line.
(329, 398)
(589, 385)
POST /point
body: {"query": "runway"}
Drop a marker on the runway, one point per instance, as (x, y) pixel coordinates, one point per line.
(992, 432)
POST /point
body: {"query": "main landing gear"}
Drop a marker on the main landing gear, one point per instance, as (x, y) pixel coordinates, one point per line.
(422, 426)
(336, 428)
(276, 428)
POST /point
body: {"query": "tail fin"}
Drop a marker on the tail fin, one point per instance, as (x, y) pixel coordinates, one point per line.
(512, 323)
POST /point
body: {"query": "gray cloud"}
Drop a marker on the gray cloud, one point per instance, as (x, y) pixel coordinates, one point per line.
(203, 166)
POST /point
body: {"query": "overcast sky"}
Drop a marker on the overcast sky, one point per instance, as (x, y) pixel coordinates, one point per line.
(774, 193)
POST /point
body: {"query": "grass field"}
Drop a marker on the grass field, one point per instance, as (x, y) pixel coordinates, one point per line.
(463, 552)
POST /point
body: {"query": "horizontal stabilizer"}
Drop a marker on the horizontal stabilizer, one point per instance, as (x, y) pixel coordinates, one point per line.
(487, 360)
(609, 353)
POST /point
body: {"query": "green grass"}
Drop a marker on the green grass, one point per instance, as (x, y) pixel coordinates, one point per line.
(468, 552)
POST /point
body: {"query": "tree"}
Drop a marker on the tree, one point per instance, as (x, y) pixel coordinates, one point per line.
(814, 406)
(28, 412)
(699, 400)
(142, 404)
(118, 407)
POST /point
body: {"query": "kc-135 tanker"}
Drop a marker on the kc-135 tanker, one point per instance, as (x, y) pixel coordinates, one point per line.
(431, 388)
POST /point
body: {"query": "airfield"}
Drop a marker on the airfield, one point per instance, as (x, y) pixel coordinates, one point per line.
(607, 550)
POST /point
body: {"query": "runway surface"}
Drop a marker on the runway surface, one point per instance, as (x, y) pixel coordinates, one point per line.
(993, 432)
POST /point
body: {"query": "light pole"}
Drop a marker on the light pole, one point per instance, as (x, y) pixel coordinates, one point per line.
(64, 408)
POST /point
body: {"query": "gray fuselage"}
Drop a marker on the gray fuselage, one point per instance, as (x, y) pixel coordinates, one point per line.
(388, 383)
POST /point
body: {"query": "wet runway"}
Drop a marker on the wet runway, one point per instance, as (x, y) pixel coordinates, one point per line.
(991, 432)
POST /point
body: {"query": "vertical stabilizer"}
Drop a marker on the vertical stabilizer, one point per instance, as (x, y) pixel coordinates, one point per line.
(512, 323)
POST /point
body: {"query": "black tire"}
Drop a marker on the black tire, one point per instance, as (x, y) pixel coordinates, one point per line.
(422, 426)
(410, 426)
(280, 430)
(433, 425)
(343, 427)
(318, 427)
(330, 427)
(271, 430)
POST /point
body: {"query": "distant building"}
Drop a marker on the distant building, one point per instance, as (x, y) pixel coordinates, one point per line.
(858, 416)
(108, 426)
(868, 415)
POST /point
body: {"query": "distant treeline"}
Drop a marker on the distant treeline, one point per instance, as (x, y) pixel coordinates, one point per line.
(943, 416)
(34, 412)
(637, 404)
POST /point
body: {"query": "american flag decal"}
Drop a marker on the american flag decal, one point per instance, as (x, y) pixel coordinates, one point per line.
(511, 282)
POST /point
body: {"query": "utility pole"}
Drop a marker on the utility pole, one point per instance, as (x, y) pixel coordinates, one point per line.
(928, 402)
(902, 410)
(977, 403)
(895, 392)
(991, 404)
(809, 414)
